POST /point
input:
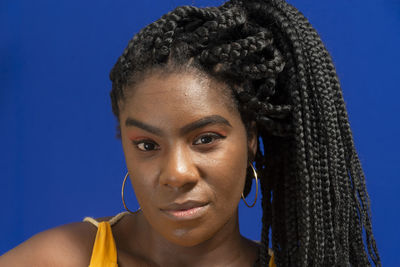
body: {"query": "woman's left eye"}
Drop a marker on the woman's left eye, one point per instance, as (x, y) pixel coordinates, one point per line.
(207, 139)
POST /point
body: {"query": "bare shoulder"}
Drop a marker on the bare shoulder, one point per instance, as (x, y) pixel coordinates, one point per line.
(67, 245)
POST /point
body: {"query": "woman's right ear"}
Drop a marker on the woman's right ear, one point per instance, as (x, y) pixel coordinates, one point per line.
(252, 141)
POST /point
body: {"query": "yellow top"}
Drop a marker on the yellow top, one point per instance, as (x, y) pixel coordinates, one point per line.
(104, 252)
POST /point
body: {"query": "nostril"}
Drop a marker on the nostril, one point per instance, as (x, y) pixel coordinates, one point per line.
(179, 176)
(179, 169)
(179, 179)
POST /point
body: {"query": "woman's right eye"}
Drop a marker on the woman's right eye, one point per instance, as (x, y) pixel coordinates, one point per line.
(146, 145)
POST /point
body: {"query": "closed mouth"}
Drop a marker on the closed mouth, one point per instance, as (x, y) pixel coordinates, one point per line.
(185, 210)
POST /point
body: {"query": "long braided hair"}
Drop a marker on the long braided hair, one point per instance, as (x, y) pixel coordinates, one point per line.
(314, 197)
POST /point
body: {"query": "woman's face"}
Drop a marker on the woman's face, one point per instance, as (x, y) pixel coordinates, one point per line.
(186, 151)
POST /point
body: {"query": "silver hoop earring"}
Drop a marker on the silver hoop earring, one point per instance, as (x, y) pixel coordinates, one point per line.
(122, 195)
(255, 199)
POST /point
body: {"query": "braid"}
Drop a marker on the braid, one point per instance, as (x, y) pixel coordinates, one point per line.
(314, 197)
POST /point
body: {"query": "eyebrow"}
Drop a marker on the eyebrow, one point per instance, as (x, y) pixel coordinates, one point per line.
(208, 120)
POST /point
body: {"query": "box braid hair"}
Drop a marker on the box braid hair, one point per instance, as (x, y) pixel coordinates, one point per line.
(314, 196)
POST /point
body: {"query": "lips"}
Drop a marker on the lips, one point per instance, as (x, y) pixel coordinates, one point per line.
(187, 210)
(190, 204)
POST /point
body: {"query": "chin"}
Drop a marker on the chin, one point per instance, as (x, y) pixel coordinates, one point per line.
(188, 237)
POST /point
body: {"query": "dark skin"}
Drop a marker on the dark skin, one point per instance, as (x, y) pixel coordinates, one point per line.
(182, 142)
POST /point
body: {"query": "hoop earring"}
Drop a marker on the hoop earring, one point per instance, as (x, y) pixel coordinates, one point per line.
(122, 195)
(255, 199)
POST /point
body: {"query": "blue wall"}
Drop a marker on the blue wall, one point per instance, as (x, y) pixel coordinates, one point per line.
(60, 160)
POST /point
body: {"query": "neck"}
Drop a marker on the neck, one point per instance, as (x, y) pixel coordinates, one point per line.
(226, 247)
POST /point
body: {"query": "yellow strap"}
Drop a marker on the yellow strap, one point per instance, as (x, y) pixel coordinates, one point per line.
(272, 261)
(104, 250)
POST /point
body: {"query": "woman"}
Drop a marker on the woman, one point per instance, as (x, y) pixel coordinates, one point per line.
(193, 94)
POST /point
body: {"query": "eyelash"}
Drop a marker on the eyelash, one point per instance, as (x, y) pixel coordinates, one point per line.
(143, 142)
(214, 136)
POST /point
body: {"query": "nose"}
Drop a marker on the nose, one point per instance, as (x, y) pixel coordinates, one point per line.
(179, 169)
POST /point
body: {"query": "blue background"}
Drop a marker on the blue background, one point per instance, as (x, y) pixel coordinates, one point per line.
(60, 160)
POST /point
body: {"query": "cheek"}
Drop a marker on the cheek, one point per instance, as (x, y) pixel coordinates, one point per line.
(142, 180)
(226, 174)
(141, 174)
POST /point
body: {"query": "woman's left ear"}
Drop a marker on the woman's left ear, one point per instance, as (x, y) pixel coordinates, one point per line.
(252, 142)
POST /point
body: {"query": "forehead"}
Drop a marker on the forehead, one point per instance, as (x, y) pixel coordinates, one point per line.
(178, 92)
